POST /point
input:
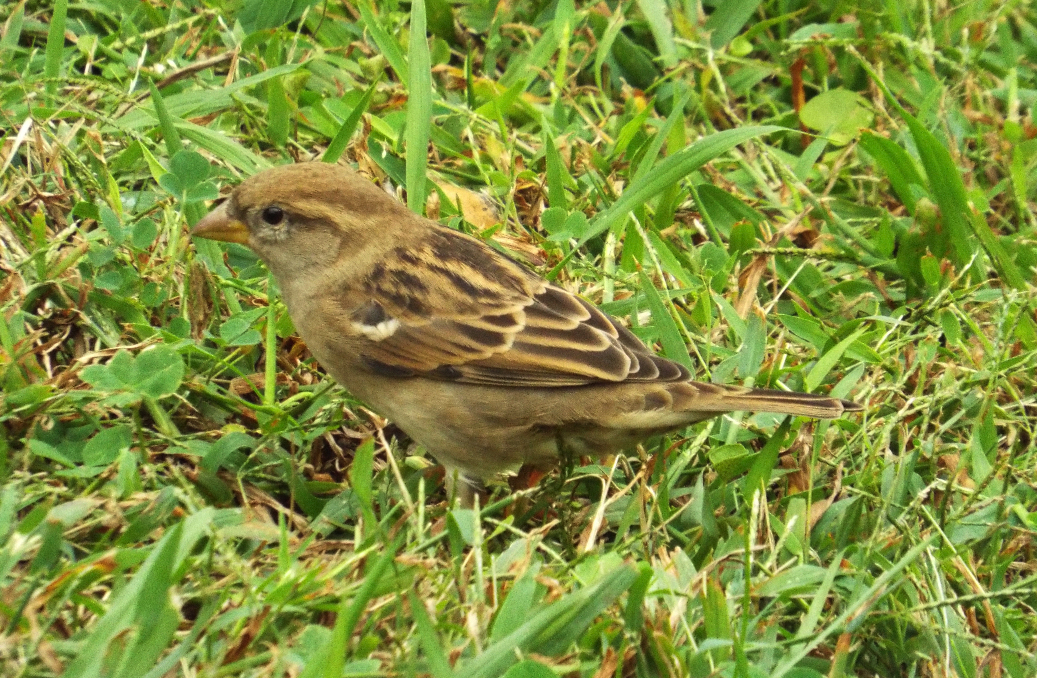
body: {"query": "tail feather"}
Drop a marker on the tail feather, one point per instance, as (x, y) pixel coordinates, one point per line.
(718, 399)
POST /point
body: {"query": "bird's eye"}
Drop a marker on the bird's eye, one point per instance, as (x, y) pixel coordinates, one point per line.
(272, 215)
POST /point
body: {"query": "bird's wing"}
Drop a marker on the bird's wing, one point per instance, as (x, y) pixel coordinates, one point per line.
(452, 308)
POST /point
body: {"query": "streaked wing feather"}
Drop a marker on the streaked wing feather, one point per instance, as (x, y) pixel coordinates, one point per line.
(494, 323)
(424, 348)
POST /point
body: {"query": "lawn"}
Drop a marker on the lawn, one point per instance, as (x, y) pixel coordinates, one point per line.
(826, 197)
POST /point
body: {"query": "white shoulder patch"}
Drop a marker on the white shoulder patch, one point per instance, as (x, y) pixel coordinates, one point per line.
(379, 332)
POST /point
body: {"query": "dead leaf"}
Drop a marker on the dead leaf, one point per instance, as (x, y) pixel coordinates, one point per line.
(476, 207)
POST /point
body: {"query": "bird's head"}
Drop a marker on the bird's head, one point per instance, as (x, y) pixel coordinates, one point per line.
(301, 217)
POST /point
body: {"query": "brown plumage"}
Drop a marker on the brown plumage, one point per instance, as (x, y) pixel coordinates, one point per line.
(481, 361)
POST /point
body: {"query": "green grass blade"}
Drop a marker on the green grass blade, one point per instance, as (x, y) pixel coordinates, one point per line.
(517, 606)
(439, 664)
(669, 334)
(193, 103)
(525, 62)
(647, 164)
(764, 463)
(360, 473)
(278, 112)
(13, 28)
(148, 590)
(829, 360)
(897, 165)
(854, 610)
(555, 170)
(671, 170)
(725, 22)
(655, 11)
(604, 46)
(947, 187)
(419, 109)
(223, 147)
(55, 49)
(165, 122)
(346, 625)
(201, 623)
(345, 133)
(552, 627)
(808, 625)
(387, 45)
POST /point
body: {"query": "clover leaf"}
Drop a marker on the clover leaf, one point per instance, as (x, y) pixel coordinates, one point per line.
(156, 372)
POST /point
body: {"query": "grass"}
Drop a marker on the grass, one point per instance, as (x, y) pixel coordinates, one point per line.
(832, 198)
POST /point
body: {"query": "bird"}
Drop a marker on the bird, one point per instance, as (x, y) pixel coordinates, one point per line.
(481, 361)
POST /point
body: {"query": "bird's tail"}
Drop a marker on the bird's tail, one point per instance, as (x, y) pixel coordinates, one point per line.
(718, 399)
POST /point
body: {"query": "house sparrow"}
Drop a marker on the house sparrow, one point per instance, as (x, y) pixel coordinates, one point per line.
(481, 361)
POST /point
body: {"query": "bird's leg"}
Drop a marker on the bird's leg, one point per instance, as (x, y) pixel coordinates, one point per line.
(463, 487)
(567, 459)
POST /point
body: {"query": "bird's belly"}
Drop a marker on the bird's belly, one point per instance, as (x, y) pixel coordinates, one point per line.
(483, 431)
(477, 445)
(461, 428)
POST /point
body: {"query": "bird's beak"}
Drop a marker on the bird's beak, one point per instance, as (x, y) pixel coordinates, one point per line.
(219, 225)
